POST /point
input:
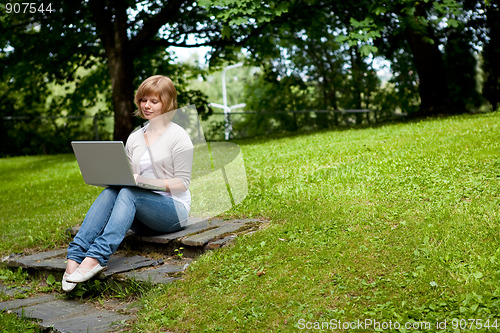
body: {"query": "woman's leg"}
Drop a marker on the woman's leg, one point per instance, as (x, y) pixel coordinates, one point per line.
(159, 214)
(156, 211)
(92, 226)
(71, 266)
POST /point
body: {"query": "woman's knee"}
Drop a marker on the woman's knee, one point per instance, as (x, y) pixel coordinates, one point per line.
(110, 192)
(128, 194)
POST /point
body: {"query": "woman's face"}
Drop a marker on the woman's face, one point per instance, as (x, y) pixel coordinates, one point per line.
(151, 106)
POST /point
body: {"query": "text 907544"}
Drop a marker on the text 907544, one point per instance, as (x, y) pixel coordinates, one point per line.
(28, 8)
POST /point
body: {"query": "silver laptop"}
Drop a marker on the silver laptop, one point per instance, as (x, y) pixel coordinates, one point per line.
(105, 163)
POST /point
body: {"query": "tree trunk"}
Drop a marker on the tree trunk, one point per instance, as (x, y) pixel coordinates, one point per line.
(121, 73)
(491, 54)
(434, 94)
(111, 19)
(356, 78)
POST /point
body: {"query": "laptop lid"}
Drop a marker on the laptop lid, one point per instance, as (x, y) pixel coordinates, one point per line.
(103, 163)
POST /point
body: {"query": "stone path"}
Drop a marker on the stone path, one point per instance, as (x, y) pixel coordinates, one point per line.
(62, 315)
(65, 315)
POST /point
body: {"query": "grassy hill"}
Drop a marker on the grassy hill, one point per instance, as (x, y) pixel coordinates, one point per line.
(391, 225)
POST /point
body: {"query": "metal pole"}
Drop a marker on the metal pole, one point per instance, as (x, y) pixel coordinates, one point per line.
(227, 109)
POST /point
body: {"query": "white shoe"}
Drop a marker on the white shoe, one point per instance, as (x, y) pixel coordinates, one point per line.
(82, 274)
(67, 286)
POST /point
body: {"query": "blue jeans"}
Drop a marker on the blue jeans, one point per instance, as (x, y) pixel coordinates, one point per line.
(117, 210)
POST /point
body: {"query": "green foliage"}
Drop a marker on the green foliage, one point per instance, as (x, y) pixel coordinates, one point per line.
(383, 28)
(114, 43)
(239, 12)
(50, 89)
(98, 290)
(66, 112)
(78, 110)
(236, 80)
(329, 45)
(10, 323)
(363, 32)
(210, 83)
(18, 276)
(178, 253)
(268, 117)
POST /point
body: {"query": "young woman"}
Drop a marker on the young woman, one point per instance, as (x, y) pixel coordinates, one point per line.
(161, 154)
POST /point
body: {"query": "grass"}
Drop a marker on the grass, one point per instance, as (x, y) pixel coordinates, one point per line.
(41, 197)
(397, 223)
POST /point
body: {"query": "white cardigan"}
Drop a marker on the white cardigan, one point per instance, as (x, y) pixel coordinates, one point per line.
(172, 155)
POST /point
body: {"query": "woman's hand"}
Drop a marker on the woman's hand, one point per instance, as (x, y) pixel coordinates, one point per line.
(172, 185)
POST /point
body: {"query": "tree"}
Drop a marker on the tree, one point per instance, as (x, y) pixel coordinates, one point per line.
(127, 36)
(461, 71)
(301, 43)
(438, 36)
(491, 56)
(421, 28)
(424, 45)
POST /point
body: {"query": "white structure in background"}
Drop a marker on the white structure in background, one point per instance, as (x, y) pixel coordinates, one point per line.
(227, 109)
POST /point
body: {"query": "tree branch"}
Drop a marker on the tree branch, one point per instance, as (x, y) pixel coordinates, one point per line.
(151, 26)
(103, 21)
(166, 43)
(180, 34)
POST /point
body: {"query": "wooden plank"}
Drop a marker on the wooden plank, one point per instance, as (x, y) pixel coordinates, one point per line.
(191, 229)
(205, 237)
(124, 264)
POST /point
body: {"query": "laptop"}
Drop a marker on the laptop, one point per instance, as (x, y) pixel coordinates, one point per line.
(105, 163)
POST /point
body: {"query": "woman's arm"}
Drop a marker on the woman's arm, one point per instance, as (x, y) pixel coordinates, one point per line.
(172, 185)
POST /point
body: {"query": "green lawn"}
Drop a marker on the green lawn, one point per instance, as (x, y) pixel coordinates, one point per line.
(393, 224)
(41, 197)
